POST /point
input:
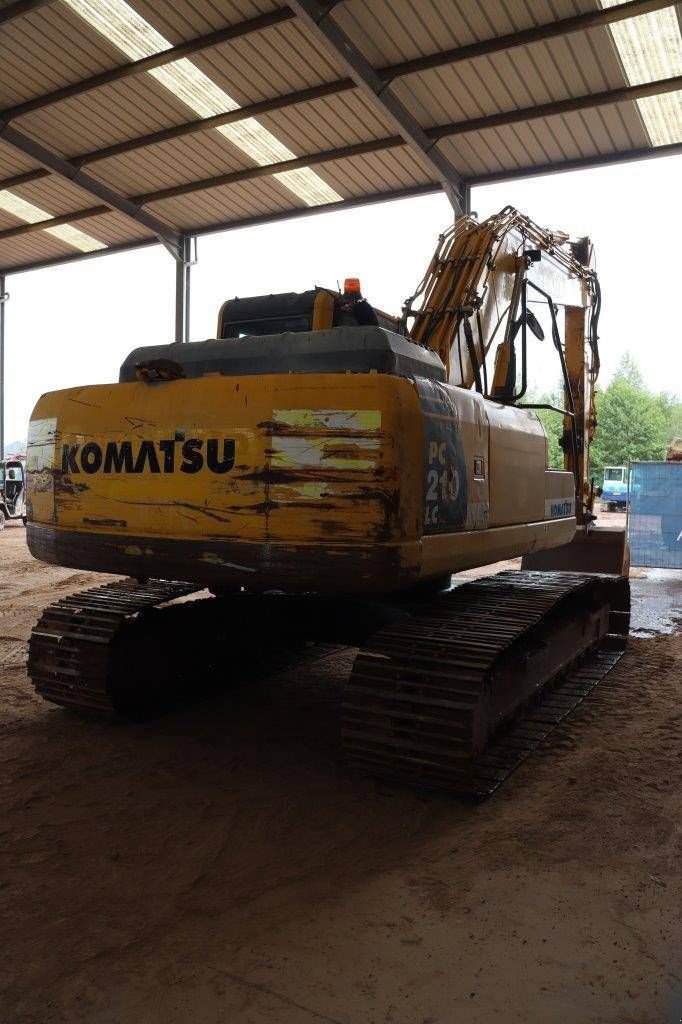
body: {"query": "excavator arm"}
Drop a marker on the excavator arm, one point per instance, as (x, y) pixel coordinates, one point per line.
(478, 290)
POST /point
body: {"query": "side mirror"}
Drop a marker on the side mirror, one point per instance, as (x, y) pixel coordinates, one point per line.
(534, 325)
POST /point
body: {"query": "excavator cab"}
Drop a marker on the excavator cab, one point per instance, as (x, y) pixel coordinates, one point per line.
(318, 309)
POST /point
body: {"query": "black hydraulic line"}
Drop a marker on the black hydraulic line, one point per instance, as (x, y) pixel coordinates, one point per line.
(459, 355)
(481, 343)
(543, 405)
(471, 348)
(593, 336)
(524, 337)
(508, 395)
(556, 338)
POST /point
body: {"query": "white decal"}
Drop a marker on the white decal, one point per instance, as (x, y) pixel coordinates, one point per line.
(559, 508)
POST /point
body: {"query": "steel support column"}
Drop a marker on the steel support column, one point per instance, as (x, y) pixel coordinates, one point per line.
(3, 299)
(466, 199)
(183, 267)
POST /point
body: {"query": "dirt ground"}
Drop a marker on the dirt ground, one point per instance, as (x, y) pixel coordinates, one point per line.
(217, 865)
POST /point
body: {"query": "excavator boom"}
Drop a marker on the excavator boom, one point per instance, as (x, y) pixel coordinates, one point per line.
(480, 285)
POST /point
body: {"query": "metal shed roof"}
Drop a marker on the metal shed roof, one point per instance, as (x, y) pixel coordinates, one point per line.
(124, 123)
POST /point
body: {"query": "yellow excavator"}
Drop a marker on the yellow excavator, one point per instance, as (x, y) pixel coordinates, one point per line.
(323, 469)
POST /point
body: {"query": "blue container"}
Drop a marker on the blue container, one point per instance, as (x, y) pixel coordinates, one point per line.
(655, 514)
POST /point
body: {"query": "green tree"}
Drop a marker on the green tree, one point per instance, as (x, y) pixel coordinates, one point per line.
(671, 407)
(632, 423)
(553, 425)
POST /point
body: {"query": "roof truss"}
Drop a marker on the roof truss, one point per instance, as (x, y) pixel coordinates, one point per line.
(623, 94)
(374, 83)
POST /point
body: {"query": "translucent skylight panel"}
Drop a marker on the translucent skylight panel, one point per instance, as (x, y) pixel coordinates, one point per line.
(128, 30)
(31, 214)
(75, 237)
(650, 48)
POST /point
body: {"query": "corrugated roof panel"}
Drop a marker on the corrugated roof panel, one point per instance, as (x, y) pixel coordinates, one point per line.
(375, 172)
(170, 163)
(477, 149)
(279, 60)
(519, 78)
(114, 229)
(321, 125)
(53, 46)
(138, 38)
(389, 31)
(55, 195)
(46, 49)
(542, 141)
(33, 248)
(328, 123)
(225, 203)
(13, 162)
(185, 19)
(624, 126)
(371, 174)
(121, 110)
(52, 195)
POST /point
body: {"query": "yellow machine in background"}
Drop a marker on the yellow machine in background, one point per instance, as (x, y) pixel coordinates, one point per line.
(330, 467)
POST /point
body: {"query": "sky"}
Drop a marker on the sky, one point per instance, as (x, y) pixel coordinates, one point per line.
(74, 324)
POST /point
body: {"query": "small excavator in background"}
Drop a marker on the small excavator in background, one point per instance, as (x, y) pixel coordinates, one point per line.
(324, 469)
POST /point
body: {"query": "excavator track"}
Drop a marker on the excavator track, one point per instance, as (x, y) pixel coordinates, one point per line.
(123, 648)
(455, 697)
(69, 654)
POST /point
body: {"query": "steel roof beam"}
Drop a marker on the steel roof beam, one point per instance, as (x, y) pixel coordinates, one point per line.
(626, 156)
(25, 178)
(203, 124)
(624, 94)
(113, 200)
(524, 37)
(538, 33)
(267, 218)
(53, 222)
(592, 19)
(579, 164)
(610, 96)
(19, 8)
(339, 45)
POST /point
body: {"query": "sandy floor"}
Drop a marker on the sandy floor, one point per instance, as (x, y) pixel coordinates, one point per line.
(218, 866)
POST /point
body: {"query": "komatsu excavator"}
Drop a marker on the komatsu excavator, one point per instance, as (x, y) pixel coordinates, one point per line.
(323, 469)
